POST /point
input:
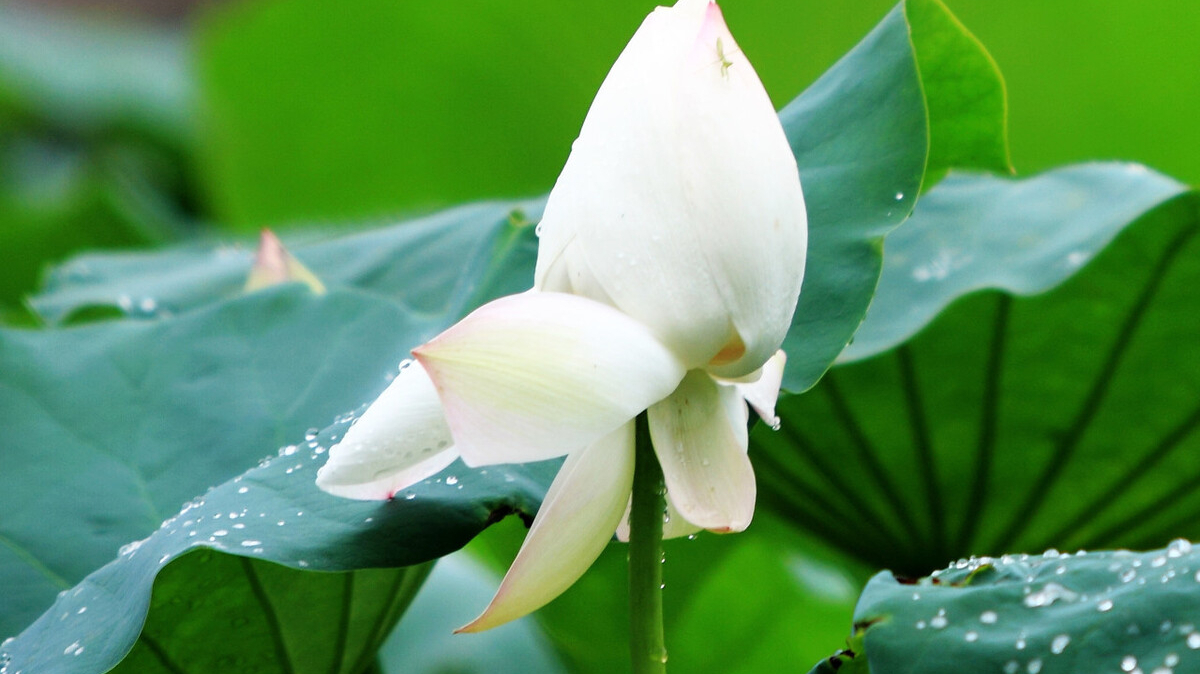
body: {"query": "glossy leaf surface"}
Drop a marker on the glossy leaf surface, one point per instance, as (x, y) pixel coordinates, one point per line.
(1010, 423)
(1052, 613)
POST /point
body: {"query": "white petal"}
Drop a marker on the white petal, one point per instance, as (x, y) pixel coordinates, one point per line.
(680, 203)
(400, 440)
(538, 375)
(572, 527)
(699, 435)
(763, 393)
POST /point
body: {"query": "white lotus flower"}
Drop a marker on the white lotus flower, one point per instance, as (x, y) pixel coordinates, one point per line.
(671, 255)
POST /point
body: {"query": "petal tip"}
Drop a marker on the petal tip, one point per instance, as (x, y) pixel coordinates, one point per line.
(485, 621)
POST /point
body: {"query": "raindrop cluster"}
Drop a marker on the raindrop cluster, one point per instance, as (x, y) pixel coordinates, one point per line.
(1054, 612)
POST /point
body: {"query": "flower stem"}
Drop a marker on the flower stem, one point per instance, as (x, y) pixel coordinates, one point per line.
(646, 643)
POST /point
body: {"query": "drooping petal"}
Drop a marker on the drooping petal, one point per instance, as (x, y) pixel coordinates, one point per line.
(680, 203)
(400, 440)
(576, 520)
(699, 435)
(674, 524)
(538, 375)
(762, 393)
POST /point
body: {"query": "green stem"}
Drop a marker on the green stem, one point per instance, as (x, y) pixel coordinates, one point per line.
(646, 644)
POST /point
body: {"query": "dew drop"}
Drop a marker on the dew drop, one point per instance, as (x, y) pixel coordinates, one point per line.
(1011, 667)
(1059, 644)
(988, 617)
(451, 480)
(939, 621)
(1178, 548)
(899, 196)
(971, 636)
(243, 490)
(1049, 594)
(1128, 663)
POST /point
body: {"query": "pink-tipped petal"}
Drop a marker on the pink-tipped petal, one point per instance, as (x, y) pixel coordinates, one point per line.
(538, 375)
(699, 435)
(400, 440)
(763, 393)
(574, 524)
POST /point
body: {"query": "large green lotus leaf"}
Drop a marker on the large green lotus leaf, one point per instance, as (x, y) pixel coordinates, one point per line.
(212, 611)
(1024, 237)
(289, 620)
(1010, 423)
(112, 425)
(918, 81)
(439, 265)
(1055, 613)
(964, 93)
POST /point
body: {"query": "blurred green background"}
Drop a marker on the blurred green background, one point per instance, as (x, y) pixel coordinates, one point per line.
(127, 123)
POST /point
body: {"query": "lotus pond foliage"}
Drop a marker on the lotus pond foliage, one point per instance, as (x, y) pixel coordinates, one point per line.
(987, 400)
